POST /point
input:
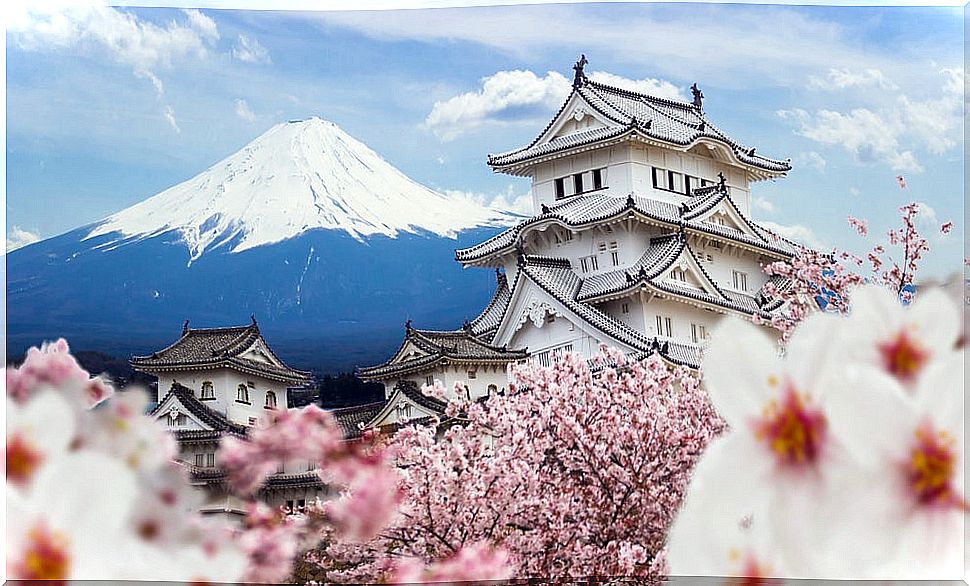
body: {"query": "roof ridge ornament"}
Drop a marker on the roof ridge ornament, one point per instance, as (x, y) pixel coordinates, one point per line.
(545, 209)
(252, 316)
(407, 326)
(579, 79)
(630, 202)
(185, 327)
(721, 182)
(698, 97)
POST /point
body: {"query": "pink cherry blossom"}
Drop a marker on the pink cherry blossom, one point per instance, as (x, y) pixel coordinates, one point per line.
(477, 562)
(574, 473)
(861, 226)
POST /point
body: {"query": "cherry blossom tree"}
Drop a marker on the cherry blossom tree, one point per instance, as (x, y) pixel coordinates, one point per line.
(570, 474)
(822, 281)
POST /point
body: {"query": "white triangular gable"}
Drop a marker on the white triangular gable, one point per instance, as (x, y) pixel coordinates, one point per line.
(170, 407)
(691, 278)
(408, 351)
(399, 409)
(260, 353)
(696, 277)
(725, 214)
(529, 302)
(578, 115)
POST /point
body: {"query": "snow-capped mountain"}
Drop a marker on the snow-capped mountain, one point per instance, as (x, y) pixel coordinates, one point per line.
(298, 176)
(330, 246)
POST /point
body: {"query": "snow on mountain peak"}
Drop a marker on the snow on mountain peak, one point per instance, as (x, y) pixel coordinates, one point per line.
(299, 175)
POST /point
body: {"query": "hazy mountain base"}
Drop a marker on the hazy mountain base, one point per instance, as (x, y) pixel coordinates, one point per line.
(324, 300)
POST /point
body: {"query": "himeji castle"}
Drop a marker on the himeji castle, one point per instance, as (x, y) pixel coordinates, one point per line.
(223, 381)
(641, 239)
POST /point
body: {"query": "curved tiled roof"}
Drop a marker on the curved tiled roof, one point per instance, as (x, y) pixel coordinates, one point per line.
(215, 347)
(353, 419)
(487, 322)
(458, 345)
(215, 420)
(586, 210)
(670, 121)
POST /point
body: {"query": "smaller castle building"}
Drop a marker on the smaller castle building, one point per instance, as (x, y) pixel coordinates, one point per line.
(222, 382)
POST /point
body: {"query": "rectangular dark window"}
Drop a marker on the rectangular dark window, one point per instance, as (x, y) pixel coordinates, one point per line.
(597, 179)
(690, 183)
(656, 177)
(560, 188)
(616, 258)
(199, 460)
(210, 459)
(670, 180)
(578, 182)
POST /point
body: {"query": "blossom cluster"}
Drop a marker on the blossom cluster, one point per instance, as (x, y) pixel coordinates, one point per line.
(369, 487)
(575, 471)
(92, 490)
(844, 459)
(817, 280)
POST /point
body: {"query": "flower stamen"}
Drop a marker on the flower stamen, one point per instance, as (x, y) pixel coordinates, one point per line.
(792, 429)
(903, 356)
(931, 468)
(46, 556)
(22, 460)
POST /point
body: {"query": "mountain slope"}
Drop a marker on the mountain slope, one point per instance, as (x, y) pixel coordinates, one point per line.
(296, 177)
(326, 243)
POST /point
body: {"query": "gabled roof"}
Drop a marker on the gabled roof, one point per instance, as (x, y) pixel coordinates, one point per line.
(353, 420)
(220, 347)
(431, 347)
(557, 279)
(663, 253)
(484, 326)
(217, 422)
(586, 210)
(634, 114)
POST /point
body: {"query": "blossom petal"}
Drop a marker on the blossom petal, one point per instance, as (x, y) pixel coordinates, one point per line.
(737, 369)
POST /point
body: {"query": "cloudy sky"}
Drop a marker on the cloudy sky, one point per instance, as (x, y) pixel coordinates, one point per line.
(108, 106)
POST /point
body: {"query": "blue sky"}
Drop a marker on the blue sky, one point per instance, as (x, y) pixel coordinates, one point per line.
(106, 107)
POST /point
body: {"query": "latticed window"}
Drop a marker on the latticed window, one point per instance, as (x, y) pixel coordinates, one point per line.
(242, 393)
(200, 460)
(210, 459)
(207, 390)
(270, 400)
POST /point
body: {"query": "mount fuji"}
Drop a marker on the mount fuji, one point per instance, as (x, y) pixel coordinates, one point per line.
(308, 229)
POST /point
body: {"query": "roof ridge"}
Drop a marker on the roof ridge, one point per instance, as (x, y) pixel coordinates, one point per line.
(605, 86)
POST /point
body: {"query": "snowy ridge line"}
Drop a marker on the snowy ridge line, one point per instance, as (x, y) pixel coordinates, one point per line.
(298, 176)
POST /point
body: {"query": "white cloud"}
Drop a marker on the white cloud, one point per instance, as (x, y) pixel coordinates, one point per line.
(760, 203)
(650, 86)
(169, 114)
(518, 96)
(121, 36)
(250, 50)
(811, 159)
(779, 45)
(18, 238)
(879, 134)
(840, 79)
(243, 110)
(508, 201)
(926, 215)
(797, 232)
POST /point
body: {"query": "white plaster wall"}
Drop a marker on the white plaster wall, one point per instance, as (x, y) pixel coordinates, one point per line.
(450, 374)
(632, 240)
(553, 335)
(681, 314)
(225, 381)
(728, 259)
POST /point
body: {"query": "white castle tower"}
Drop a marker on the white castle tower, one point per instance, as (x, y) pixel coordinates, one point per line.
(641, 239)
